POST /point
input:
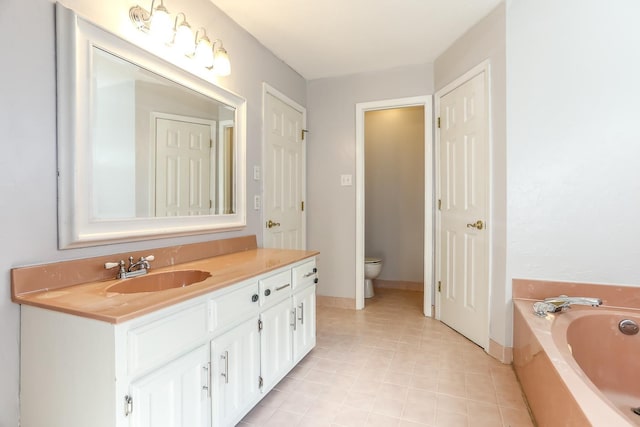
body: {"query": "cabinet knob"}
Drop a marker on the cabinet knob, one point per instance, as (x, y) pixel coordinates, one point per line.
(267, 292)
(255, 297)
(315, 270)
(315, 280)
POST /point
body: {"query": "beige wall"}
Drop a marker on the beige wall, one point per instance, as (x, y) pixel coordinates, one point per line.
(331, 152)
(28, 122)
(486, 41)
(574, 142)
(394, 191)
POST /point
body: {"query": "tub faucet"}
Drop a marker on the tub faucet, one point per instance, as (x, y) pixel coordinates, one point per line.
(563, 302)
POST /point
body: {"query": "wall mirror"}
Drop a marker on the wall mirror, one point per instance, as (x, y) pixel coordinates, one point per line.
(145, 149)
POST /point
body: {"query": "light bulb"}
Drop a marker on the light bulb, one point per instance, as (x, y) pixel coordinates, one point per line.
(221, 63)
(160, 26)
(183, 40)
(204, 54)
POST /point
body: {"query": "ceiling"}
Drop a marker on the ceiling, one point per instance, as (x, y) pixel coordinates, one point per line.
(337, 37)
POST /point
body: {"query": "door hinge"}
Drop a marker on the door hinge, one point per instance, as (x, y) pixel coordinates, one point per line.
(259, 325)
(439, 286)
(302, 132)
(438, 122)
(260, 382)
(439, 204)
(128, 405)
(302, 206)
(210, 204)
(210, 143)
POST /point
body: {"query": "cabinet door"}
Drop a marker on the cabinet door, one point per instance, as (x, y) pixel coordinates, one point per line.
(276, 343)
(304, 332)
(176, 395)
(235, 359)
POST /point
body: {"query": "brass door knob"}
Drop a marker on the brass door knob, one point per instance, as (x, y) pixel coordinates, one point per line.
(478, 224)
(271, 224)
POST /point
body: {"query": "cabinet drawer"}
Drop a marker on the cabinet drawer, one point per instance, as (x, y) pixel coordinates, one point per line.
(159, 341)
(305, 274)
(275, 288)
(235, 306)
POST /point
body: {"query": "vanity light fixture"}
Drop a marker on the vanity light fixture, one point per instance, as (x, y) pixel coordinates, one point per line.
(157, 22)
(204, 53)
(183, 38)
(221, 63)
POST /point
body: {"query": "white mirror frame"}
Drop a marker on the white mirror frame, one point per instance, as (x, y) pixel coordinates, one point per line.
(75, 38)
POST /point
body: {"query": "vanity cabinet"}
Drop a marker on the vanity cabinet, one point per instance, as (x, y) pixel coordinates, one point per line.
(235, 363)
(304, 326)
(175, 395)
(202, 362)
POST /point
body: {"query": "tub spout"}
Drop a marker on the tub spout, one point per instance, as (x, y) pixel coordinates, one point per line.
(556, 304)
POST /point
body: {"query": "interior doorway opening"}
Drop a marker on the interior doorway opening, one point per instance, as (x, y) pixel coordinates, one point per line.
(422, 105)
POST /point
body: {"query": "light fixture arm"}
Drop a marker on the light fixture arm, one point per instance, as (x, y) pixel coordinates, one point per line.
(184, 21)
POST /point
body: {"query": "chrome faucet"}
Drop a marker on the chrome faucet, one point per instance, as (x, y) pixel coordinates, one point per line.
(137, 268)
(563, 302)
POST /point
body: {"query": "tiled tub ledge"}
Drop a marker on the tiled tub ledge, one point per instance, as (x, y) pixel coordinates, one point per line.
(572, 389)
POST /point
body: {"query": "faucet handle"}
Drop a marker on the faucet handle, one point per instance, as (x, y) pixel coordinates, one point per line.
(110, 265)
(149, 258)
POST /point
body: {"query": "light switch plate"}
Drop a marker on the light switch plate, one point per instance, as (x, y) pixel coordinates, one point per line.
(256, 173)
(257, 202)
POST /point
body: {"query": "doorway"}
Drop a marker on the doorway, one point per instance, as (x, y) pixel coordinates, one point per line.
(361, 109)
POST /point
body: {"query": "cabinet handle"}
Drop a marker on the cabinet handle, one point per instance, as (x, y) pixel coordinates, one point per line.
(279, 288)
(225, 374)
(301, 318)
(255, 297)
(206, 385)
(293, 316)
(309, 274)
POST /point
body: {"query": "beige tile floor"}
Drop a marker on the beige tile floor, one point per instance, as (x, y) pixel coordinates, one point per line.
(390, 366)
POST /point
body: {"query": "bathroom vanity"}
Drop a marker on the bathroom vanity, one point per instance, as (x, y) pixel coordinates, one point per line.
(199, 355)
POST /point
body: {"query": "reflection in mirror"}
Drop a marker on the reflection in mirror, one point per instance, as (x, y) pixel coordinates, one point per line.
(145, 148)
(159, 148)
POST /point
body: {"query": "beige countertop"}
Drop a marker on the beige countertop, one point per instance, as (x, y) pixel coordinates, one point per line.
(93, 300)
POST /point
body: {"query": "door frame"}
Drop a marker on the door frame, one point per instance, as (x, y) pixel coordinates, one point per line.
(361, 108)
(268, 89)
(483, 67)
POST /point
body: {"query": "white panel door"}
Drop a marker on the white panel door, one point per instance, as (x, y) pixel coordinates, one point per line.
(176, 395)
(276, 348)
(235, 360)
(304, 331)
(464, 181)
(183, 168)
(283, 180)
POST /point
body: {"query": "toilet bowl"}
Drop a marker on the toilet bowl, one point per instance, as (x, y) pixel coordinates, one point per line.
(372, 268)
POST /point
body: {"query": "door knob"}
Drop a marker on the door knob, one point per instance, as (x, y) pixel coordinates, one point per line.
(478, 224)
(271, 224)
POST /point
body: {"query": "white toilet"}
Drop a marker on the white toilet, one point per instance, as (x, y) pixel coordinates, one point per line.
(372, 267)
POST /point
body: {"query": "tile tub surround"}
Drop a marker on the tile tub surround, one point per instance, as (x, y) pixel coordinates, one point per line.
(85, 293)
(388, 365)
(555, 387)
